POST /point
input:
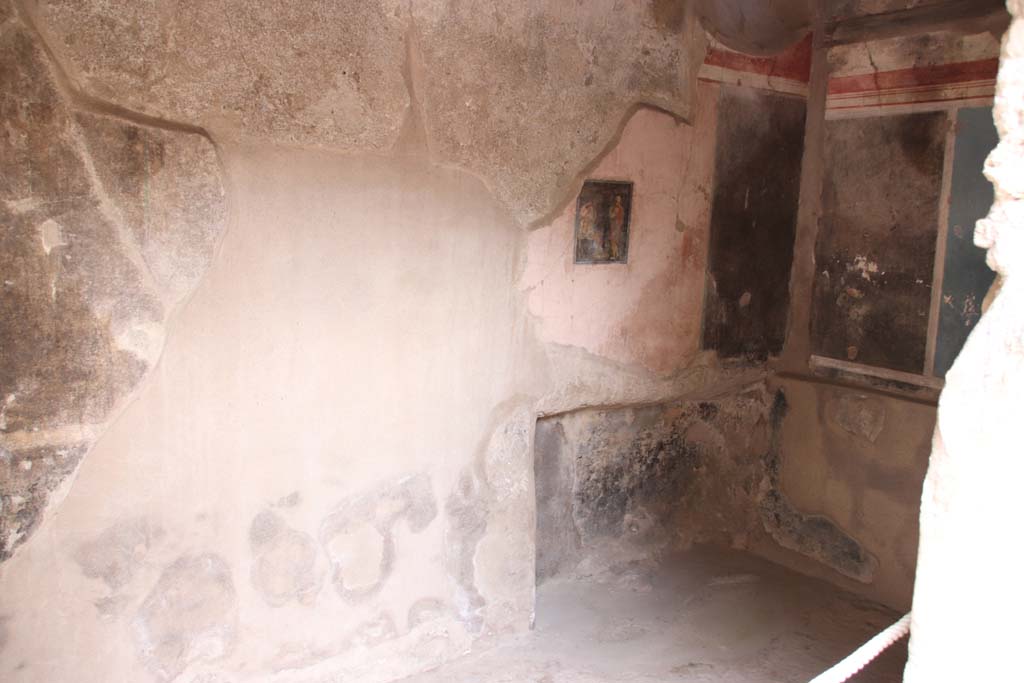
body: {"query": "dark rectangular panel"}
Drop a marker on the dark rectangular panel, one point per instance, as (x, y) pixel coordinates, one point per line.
(876, 242)
(753, 221)
(965, 277)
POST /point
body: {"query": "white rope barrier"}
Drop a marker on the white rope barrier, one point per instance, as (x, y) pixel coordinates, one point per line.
(863, 655)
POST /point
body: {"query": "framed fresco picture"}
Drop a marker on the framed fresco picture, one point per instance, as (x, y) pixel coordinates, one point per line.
(602, 221)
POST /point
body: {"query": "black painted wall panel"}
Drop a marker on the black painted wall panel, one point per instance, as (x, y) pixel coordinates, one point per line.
(753, 221)
(876, 242)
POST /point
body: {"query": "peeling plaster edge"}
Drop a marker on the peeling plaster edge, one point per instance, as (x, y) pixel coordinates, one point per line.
(112, 212)
(557, 201)
(567, 194)
(81, 102)
(81, 99)
(73, 90)
(107, 207)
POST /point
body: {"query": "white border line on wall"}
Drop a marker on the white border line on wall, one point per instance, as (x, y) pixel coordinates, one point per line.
(938, 270)
(824, 363)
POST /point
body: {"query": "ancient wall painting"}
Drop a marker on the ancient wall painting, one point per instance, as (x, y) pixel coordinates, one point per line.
(876, 246)
(602, 221)
(753, 221)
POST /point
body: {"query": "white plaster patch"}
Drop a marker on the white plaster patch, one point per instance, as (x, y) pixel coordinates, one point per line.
(865, 268)
(357, 553)
(143, 339)
(51, 235)
(3, 410)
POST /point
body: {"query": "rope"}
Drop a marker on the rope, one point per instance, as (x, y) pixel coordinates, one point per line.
(863, 655)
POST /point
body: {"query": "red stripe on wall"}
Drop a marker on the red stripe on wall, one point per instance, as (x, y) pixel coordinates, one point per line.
(933, 75)
(794, 64)
(906, 103)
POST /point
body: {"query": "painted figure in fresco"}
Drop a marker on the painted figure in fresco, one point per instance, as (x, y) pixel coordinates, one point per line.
(602, 221)
(616, 222)
(590, 240)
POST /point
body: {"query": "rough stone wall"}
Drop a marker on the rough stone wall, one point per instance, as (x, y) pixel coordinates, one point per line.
(522, 95)
(968, 564)
(108, 226)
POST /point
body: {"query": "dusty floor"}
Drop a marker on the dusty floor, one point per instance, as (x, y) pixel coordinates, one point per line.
(706, 615)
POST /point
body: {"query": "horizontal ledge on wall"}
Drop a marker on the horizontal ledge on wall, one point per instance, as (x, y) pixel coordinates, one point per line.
(904, 385)
(865, 385)
(825, 363)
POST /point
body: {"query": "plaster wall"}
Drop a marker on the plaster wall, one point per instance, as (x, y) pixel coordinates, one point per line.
(329, 471)
(858, 459)
(308, 461)
(324, 470)
(645, 312)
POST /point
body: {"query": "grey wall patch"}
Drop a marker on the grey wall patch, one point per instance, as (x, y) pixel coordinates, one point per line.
(358, 537)
(466, 522)
(858, 415)
(558, 541)
(115, 554)
(815, 536)
(191, 614)
(27, 477)
(284, 561)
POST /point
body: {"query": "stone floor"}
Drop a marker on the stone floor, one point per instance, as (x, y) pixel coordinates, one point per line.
(706, 615)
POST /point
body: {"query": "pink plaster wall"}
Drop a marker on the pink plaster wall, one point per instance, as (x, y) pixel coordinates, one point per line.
(645, 312)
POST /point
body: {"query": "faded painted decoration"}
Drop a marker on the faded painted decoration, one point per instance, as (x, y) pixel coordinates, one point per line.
(894, 288)
(965, 277)
(602, 221)
(753, 221)
(876, 245)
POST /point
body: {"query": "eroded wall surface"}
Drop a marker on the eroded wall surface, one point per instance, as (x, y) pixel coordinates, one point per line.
(858, 459)
(876, 248)
(107, 228)
(523, 96)
(619, 488)
(299, 355)
(311, 355)
(274, 476)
